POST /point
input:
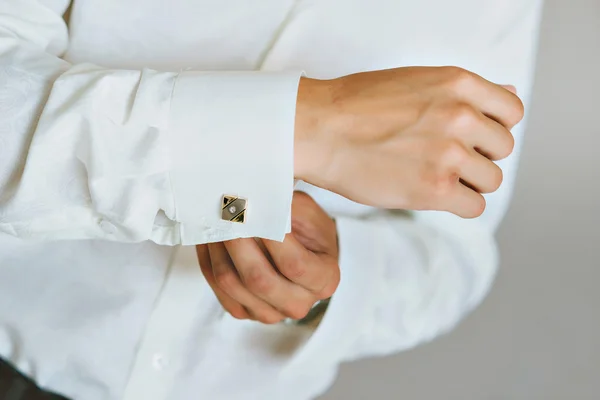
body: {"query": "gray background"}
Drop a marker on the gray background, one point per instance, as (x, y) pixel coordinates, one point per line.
(537, 336)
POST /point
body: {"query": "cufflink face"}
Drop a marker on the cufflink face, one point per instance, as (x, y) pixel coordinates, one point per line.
(233, 209)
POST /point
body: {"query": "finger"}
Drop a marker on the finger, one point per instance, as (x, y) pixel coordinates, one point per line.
(317, 274)
(510, 88)
(481, 174)
(233, 307)
(312, 226)
(227, 279)
(490, 138)
(464, 202)
(327, 258)
(505, 108)
(263, 248)
(495, 101)
(263, 281)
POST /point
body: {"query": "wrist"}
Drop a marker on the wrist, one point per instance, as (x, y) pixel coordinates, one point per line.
(312, 140)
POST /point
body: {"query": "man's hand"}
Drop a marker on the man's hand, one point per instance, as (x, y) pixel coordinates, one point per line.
(269, 281)
(417, 138)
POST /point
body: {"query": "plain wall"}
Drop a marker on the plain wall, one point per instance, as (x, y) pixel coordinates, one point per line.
(537, 335)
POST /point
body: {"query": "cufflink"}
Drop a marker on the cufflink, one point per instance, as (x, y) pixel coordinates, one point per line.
(233, 209)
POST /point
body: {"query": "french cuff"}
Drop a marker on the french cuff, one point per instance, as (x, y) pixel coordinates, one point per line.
(233, 138)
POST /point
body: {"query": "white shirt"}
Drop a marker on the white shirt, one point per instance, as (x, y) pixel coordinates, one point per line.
(115, 150)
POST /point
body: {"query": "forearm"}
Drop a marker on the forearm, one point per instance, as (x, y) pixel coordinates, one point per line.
(132, 155)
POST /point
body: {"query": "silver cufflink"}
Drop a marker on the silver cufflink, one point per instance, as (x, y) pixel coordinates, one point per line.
(233, 209)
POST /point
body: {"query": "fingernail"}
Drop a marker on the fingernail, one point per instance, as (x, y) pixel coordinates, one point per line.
(510, 88)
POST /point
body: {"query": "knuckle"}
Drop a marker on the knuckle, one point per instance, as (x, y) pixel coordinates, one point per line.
(517, 111)
(298, 311)
(460, 116)
(327, 292)
(459, 77)
(444, 183)
(453, 71)
(497, 179)
(294, 268)
(268, 318)
(509, 146)
(331, 287)
(452, 153)
(301, 196)
(258, 281)
(238, 312)
(226, 280)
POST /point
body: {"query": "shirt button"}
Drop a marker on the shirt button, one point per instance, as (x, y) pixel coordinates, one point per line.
(107, 227)
(159, 362)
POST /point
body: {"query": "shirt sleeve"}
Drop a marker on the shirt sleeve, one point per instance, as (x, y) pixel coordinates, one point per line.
(132, 155)
(408, 277)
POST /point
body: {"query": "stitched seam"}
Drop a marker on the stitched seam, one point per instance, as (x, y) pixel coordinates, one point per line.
(170, 181)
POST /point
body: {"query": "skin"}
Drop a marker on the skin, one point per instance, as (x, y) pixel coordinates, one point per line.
(416, 138)
(267, 280)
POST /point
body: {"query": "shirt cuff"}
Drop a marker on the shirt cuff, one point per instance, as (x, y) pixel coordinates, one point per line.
(233, 134)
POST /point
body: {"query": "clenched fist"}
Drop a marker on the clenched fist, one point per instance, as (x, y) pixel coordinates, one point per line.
(418, 138)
